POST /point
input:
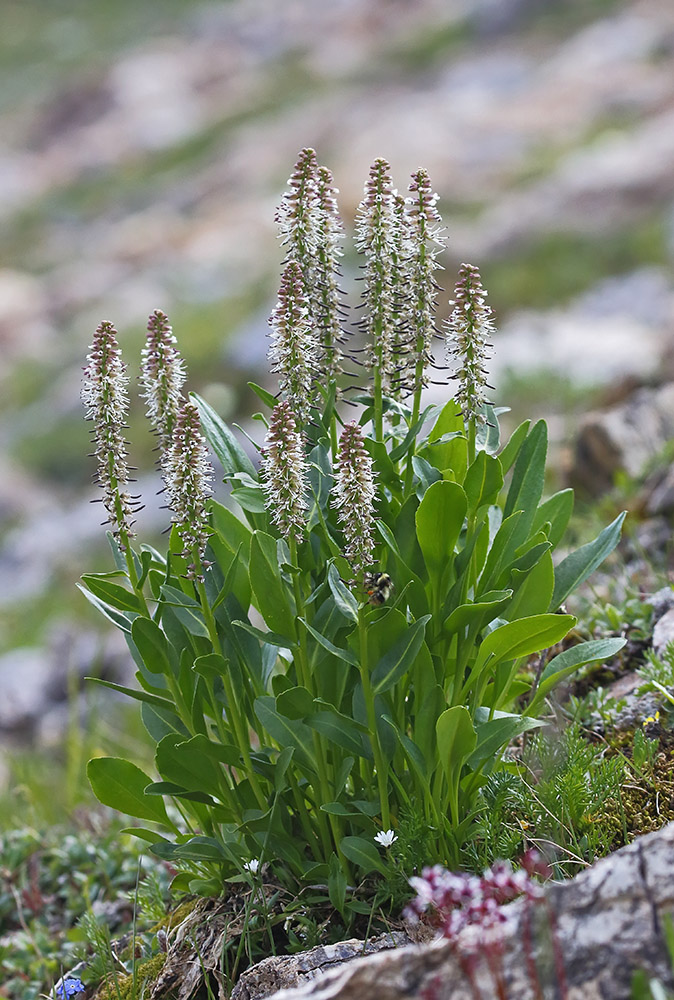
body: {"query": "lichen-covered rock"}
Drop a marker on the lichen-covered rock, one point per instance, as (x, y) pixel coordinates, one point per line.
(283, 971)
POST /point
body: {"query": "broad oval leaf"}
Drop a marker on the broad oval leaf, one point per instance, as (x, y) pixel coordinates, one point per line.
(439, 519)
(523, 637)
(362, 853)
(456, 739)
(121, 785)
(152, 645)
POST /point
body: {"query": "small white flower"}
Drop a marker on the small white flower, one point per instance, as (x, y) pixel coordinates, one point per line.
(252, 866)
(385, 837)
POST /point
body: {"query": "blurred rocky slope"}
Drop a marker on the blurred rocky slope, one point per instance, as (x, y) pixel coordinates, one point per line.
(146, 146)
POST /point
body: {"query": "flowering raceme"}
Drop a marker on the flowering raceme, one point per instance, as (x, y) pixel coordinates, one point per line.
(107, 403)
(469, 329)
(162, 378)
(188, 476)
(354, 499)
(294, 349)
(283, 465)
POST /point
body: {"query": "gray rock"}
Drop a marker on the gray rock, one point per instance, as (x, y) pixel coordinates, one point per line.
(663, 633)
(283, 971)
(24, 679)
(622, 438)
(608, 924)
(662, 601)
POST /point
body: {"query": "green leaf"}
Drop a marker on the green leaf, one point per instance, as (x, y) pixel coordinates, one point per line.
(566, 663)
(413, 753)
(153, 646)
(211, 665)
(185, 763)
(484, 481)
(400, 658)
(362, 853)
(528, 479)
(494, 734)
(556, 510)
(532, 589)
(271, 637)
(456, 741)
(497, 566)
(320, 480)
(286, 732)
(121, 785)
(269, 588)
(265, 396)
(228, 450)
(340, 730)
(439, 519)
(485, 609)
(159, 722)
(511, 450)
(344, 599)
(577, 566)
(343, 654)
(151, 699)
(336, 884)
(150, 836)
(201, 849)
(295, 703)
(122, 620)
(186, 609)
(445, 437)
(426, 473)
(111, 593)
(523, 637)
(250, 498)
(488, 437)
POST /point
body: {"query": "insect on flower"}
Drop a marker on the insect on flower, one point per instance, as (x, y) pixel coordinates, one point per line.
(378, 587)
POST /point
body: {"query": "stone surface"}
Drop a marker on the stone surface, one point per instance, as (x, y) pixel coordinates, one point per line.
(663, 633)
(623, 438)
(286, 971)
(609, 923)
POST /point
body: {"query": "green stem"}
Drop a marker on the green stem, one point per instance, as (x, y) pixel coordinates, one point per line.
(378, 420)
(472, 433)
(416, 409)
(236, 716)
(372, 720)
(305, 678)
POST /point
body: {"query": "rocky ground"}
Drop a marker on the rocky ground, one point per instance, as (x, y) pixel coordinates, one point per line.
(144, 153)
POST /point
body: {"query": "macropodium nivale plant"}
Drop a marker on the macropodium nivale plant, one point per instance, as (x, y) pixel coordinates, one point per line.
(350, 649)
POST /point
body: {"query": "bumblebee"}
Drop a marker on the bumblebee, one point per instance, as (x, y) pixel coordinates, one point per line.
(378, 587)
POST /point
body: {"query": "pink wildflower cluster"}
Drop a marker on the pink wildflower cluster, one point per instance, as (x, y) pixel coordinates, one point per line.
(459, 900)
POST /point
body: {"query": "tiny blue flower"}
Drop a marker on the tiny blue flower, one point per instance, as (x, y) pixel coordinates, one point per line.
(69, 987)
